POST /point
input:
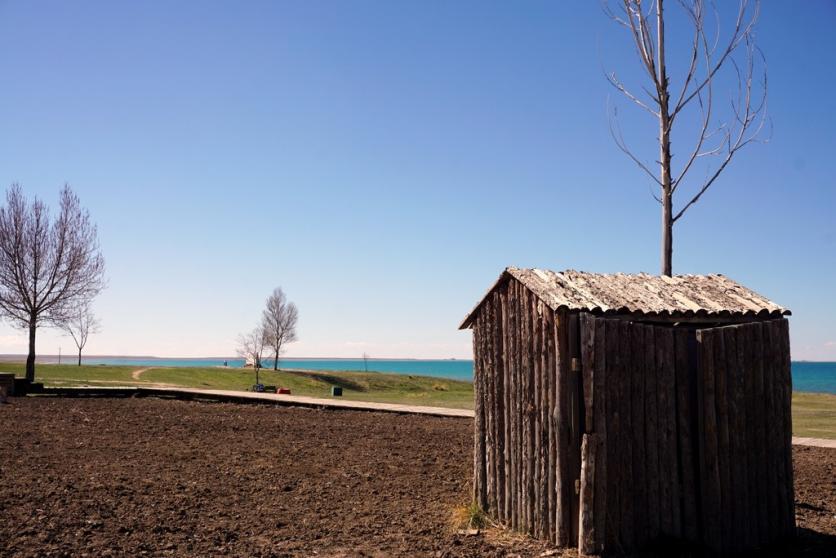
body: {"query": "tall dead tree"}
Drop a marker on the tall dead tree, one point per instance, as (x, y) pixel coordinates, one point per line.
(47, 267)
(81, 323)
(278, 320)
(716, 139)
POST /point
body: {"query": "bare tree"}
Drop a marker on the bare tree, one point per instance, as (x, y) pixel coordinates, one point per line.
(717, 140)
(251, 348)
(80, 325)
(279, 323)
(47, 267)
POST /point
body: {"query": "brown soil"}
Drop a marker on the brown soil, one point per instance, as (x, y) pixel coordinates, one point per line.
(159, 477)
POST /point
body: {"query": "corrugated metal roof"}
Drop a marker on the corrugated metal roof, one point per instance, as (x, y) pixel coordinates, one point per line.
(651, 295)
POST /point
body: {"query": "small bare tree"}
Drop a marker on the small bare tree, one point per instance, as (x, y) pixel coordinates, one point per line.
(80, 325)
(251, 348)
(279, 323)
(716, 139)
(47, 267)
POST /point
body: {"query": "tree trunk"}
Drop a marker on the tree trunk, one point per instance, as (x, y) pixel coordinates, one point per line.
(79, 357)
(664, 147)
(276, 361)
(667, 232)
(30, 359)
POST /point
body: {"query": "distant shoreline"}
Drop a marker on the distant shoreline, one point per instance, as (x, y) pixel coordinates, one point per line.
(46, 359)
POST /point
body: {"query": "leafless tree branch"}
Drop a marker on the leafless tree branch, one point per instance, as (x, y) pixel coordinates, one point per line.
(715, 139)
(278, 321)
(47, 268)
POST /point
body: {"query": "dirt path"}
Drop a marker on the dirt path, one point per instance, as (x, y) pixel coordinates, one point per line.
(138, 372)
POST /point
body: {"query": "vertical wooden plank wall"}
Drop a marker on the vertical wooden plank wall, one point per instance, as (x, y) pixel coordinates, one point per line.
(744, 435)
(686, 433)
(526, 428)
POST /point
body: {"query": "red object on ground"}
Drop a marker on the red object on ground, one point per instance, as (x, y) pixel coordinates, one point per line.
(284, 391)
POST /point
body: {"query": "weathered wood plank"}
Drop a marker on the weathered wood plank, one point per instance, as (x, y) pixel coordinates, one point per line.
(513, 336)
(575, 434)
(587, 325)
(772, 493)
(777, 435)
(600, 403)
(667, 384)
(759, 423)
(545, 471)
(724, 394)
(487, 401)
(685, 444)
(506, 348)
(563, 483)
(637, 387)
(479, 488)
(589, 539)
(736, 434)
(663, 413)
(614, 433)
(499, 409)
(536, 495)
(625, 446)
(746, 363)
(529, 412)
(552, 382)
(651, 435)
(710, 493)
(785, 365)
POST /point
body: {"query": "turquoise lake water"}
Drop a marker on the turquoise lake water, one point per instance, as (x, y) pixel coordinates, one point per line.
(806, 376)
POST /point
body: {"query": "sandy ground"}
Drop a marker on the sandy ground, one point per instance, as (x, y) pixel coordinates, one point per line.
(159, 477)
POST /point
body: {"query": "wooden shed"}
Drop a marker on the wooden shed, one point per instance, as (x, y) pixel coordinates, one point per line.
(614, 411)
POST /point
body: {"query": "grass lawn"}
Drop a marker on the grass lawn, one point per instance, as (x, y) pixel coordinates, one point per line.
(363, 386)
(814, 414)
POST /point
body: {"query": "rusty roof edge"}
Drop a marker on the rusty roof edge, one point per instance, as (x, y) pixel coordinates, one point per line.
(468, 319)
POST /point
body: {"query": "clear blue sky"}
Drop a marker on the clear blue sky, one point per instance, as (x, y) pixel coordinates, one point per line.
(383, 161)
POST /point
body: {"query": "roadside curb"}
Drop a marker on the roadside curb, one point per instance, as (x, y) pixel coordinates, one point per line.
(252, 397)
(817, 442)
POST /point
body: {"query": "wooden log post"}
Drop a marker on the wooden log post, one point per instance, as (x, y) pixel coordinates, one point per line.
(721, 412)
(710, 485)
(690, 523)
(563, 484)
(507, 407)
(651, 435)
(479, 488)
(614, 437)
(759, 419)
(625, 446)
(783, 438)
(575, 409)
(590, 541)
(637, 387)
(769, 381)
(551, 375)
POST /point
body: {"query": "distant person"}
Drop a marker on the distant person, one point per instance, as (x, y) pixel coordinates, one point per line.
(225, 364)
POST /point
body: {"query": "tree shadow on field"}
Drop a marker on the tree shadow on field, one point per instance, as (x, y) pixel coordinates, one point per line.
(330, 379)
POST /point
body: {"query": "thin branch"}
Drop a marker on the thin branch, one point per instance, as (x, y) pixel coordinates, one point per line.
(620, 86)
(618, 137)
